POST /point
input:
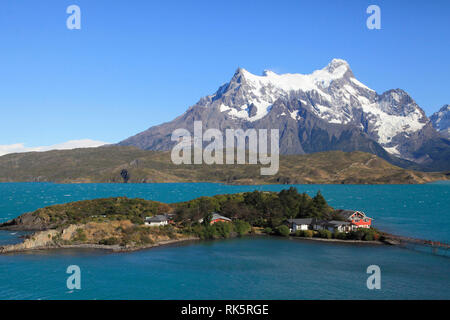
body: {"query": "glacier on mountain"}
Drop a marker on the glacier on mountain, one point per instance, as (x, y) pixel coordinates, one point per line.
(332, 93)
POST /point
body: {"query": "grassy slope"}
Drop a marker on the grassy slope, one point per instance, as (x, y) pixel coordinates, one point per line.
(105, 164)
(111, 221)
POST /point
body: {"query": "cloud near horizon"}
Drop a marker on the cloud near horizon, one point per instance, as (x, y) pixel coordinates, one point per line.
(72, 144)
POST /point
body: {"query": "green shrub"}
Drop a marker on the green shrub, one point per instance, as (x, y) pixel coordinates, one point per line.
(221, 229)
(369, 237)
(268, 230)
(283, 231)
(340, 235)
(303, 233)
(169, 231)
(364, 234)
(204, 232)
(241, 227)
(325, 234)
(137, 220)
(308, 233)
(144, 238)
(80, 235)
(109, 241)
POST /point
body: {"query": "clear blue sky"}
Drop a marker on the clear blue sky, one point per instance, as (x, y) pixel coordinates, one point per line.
(135, 64)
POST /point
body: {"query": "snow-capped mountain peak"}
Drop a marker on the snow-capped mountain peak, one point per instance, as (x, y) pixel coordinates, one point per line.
(328, 109)
(331, 93)
(339, 64)
(336, 69)
(441, 120)
(258, 93)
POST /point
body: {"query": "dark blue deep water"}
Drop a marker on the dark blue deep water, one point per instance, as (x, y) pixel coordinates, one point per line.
(248, 268)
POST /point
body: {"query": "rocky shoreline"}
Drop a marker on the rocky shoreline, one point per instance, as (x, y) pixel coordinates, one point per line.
(27, 246)
(22, 247)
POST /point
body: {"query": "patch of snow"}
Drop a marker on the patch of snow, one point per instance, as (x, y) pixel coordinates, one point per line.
(224, 108)
(294, 115)
(334, 104)
(350, 89)
(363, 100)
(262, 109)
(388, 126)
(393, 150)
(294, 82)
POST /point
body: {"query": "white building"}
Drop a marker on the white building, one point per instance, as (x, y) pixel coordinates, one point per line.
(156, 221)
(300, 224)
(340, 226)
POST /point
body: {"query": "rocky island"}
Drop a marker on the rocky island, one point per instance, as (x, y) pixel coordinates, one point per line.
(124, 224)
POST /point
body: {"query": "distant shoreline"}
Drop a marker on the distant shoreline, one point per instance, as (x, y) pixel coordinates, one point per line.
(257, 183)
(242, 183)
(105, 164)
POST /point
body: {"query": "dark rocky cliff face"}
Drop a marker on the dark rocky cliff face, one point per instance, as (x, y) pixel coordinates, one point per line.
(26, 222)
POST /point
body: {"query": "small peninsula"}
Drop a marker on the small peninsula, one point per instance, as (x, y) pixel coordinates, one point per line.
(123, 224)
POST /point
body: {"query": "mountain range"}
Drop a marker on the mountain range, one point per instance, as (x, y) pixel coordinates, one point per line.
(326, 110)
(441, 121)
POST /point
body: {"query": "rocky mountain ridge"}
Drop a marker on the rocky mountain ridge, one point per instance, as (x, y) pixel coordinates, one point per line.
(328, 109)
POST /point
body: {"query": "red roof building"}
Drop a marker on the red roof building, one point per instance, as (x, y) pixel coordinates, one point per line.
(357, 218)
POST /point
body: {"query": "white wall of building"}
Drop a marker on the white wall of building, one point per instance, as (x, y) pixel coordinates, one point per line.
(156, 224)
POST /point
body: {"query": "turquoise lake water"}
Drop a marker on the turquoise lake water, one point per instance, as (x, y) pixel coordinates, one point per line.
(248, 268)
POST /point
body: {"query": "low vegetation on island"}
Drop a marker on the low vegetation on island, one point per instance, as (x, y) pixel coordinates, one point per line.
(120, 223)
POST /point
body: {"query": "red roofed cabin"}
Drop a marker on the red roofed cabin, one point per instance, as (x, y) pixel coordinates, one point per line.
(357, 218)
(215, 217)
